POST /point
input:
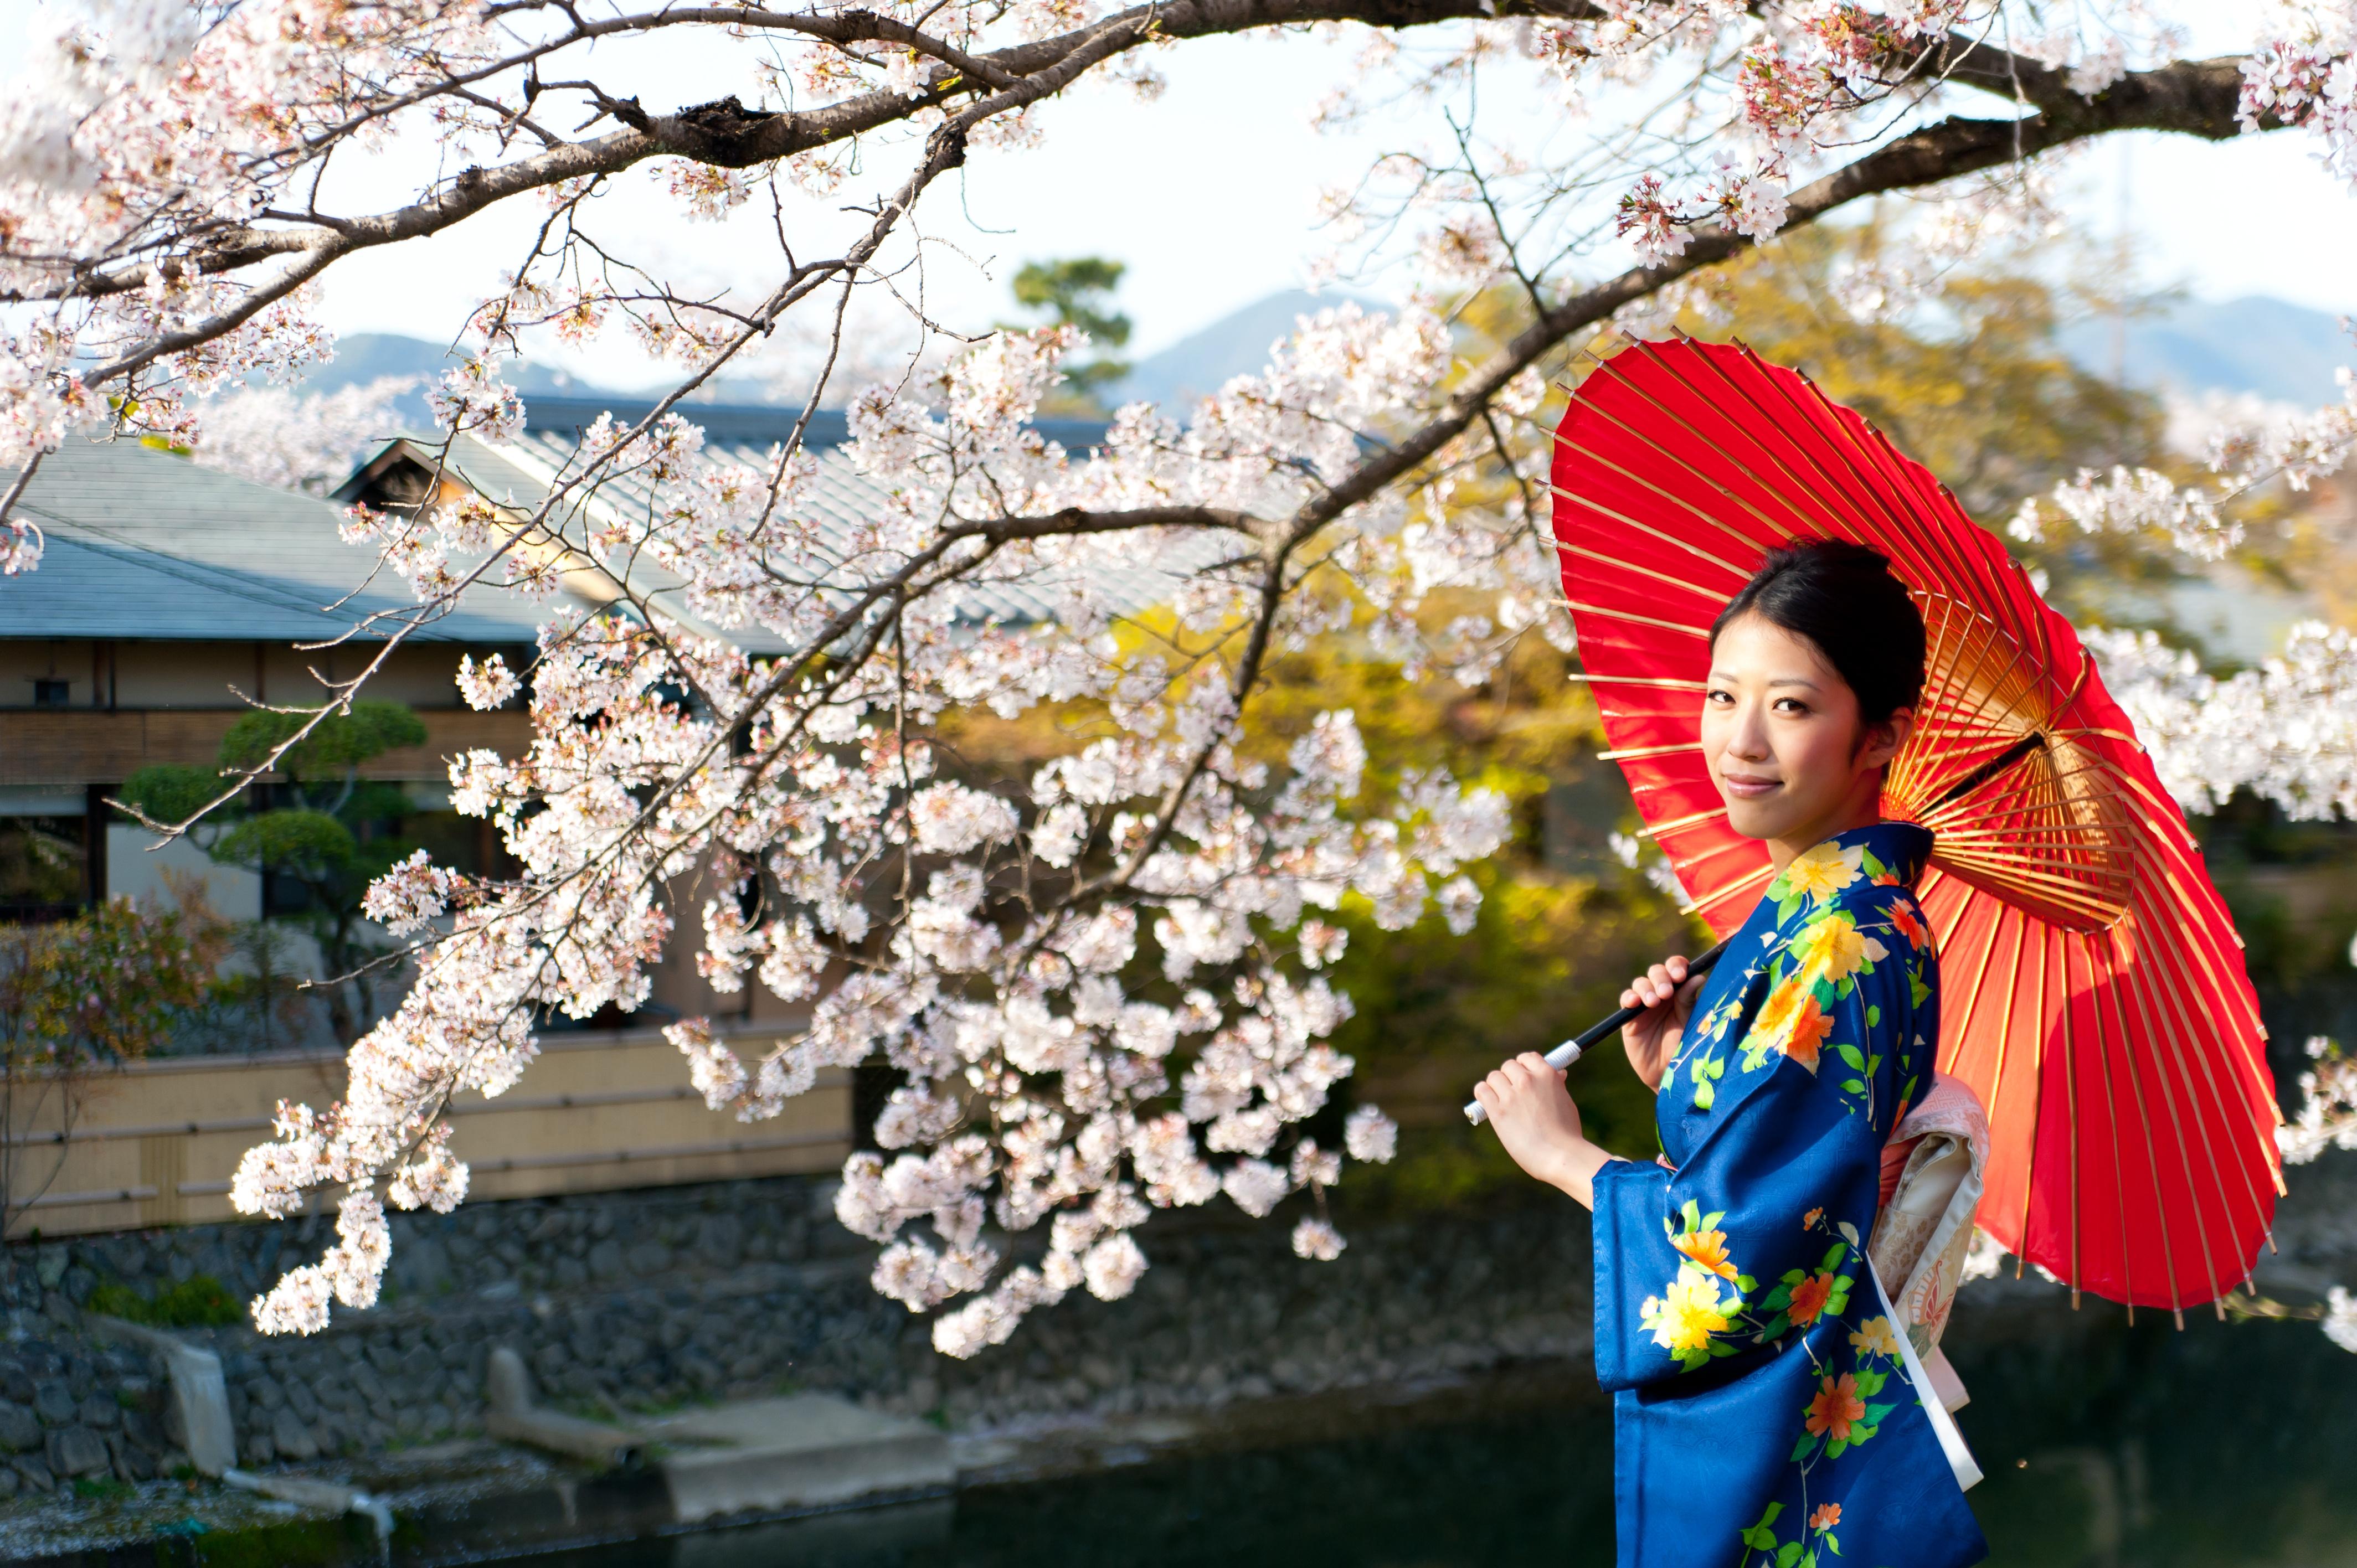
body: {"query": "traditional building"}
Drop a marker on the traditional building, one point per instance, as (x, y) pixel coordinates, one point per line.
(170, 599)
(522, 472)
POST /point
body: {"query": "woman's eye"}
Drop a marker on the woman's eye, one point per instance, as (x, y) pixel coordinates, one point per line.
(1791, 705)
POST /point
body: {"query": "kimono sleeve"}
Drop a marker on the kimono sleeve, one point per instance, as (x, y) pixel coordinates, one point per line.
(1760, 1232)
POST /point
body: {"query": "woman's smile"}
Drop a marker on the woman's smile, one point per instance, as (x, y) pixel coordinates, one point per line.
(1781, 736)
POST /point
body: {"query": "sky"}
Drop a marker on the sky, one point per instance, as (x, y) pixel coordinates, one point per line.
(1206, 193)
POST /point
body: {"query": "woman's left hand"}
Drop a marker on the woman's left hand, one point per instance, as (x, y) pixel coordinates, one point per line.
(1539, 1125)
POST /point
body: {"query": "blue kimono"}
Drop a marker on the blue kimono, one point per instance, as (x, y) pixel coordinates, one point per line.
(1761, 1414)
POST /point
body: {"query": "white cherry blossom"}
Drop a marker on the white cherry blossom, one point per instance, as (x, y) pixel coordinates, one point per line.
(1106, 989)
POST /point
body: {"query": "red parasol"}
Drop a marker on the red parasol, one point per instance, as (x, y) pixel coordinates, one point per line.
(2093, 990)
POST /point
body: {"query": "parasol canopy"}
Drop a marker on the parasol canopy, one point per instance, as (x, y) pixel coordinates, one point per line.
(2093, 990)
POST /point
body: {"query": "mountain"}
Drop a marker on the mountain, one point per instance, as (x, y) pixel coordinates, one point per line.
(2278, 351)
(362, 356)
(1194, 367)
(2281, 351)
(365, 356)
(1236, 344)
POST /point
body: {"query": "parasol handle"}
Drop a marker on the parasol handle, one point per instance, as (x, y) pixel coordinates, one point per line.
(1571, 1050)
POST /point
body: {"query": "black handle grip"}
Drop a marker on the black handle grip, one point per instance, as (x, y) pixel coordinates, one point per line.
(1572, 1050)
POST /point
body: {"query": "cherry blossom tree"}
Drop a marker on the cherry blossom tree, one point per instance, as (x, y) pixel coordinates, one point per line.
(294, 440)
(1103, 990)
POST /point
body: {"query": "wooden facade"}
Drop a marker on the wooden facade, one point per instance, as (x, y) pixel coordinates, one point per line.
(76, 746)
(156, 1144)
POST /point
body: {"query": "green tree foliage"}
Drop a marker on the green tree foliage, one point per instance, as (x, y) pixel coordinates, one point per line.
(322, 827)
(1078, 292)
(327, 755)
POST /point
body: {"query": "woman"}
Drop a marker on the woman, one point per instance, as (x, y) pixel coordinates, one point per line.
(1762, 1411)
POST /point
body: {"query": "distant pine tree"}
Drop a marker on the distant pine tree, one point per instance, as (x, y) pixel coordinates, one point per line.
(1079, 292)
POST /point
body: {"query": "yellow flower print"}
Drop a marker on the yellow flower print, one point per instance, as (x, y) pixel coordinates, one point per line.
(1691, 1313)
(1706, 1250)
(1790, 1023)
(1832, 947)
(1776, 1011)
(1875, 1337)
(1825, 871)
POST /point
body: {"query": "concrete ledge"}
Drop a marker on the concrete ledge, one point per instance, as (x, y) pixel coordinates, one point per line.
(803, 1451)
(199, 1419)
(511, 1412)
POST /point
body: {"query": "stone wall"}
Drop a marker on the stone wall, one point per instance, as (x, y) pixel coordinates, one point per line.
(71, 1409)
(640, 1300)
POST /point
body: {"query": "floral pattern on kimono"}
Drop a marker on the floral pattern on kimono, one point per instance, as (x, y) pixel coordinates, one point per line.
(1762, 1415)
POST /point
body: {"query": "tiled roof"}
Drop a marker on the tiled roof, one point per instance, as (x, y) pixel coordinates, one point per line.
(841, 497)
(145, 545)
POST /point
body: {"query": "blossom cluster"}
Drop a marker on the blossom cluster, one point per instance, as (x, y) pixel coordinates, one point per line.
(134, 132)
(2247, 446)
(2285, 731)
(291, 440)
(2304, 73)
(1108, 987)
(1092, 984)
(2327, 1112)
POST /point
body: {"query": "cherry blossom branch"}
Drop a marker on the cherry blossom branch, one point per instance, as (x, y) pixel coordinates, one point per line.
(982, 933)
(2195, 97)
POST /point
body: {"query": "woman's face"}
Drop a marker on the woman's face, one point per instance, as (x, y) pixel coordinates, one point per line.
(1781, 730)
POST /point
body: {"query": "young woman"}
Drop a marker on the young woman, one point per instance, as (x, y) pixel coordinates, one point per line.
(1762, 1410)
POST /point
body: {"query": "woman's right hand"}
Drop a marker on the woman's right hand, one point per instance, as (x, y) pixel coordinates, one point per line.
(1667, 993)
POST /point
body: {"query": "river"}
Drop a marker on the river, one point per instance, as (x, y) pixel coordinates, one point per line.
(2107, 1446)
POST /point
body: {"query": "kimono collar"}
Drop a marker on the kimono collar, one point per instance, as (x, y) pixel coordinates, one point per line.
(1901, 847)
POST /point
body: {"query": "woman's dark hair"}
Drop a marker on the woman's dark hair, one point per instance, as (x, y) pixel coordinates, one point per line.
(1842, 598)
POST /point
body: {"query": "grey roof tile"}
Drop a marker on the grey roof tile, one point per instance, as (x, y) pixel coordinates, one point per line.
(841, 497)
(145, 545)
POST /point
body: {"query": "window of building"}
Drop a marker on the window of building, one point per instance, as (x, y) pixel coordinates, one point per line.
(49, 692)
(44, 865)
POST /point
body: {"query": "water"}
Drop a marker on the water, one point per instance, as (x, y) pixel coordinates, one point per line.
(2228, 1446)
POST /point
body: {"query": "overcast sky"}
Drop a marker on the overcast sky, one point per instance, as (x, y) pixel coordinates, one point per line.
(1207, 193)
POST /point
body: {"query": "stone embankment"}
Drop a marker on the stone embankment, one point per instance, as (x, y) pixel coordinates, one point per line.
(629, 1303)
(628, 1308)
(72, 1408)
